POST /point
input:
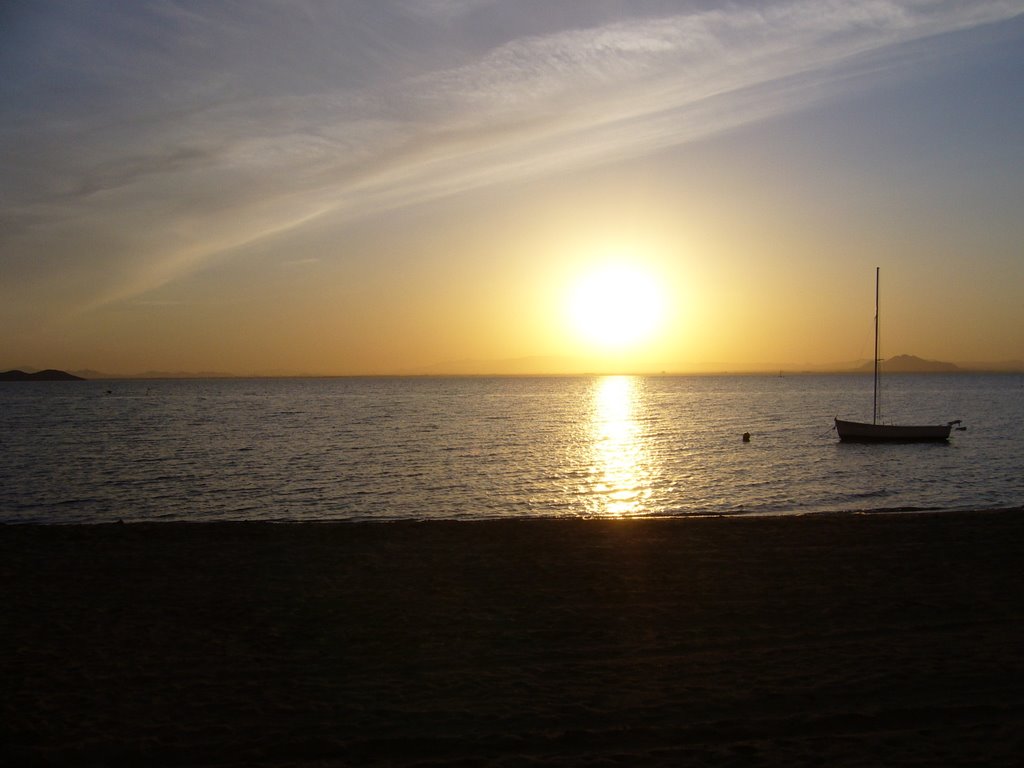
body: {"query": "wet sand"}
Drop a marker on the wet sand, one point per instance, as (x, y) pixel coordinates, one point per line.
(833, 640)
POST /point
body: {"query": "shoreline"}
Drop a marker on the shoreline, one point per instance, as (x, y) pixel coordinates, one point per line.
(681, 518)
(838, 639)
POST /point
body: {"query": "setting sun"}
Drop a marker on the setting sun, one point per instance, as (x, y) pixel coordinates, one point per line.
(616, 306)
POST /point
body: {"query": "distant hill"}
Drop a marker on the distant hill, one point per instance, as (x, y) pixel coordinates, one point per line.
(1001, 366)
(912, 364)
(520, 366)
(89, 373)
(49, 374)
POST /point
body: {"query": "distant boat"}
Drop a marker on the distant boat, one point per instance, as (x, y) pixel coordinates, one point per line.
(862, 432)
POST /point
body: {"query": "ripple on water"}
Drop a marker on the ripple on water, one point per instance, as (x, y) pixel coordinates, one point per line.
(385, 449)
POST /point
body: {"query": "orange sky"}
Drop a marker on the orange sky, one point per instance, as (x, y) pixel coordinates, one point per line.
(386, 190)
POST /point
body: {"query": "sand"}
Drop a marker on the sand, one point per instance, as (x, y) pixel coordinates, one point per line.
(828, 640)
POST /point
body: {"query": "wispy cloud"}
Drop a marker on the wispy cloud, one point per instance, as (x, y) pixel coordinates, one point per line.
(198, 148)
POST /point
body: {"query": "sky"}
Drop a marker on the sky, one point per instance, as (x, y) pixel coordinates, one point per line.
(527, 186)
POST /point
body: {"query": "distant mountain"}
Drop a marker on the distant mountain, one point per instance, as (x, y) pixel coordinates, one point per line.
(88, 373)
(49, 374)
(1001, 366)
(520, 366)
(180, 375)
(912, 364)
(91, 374)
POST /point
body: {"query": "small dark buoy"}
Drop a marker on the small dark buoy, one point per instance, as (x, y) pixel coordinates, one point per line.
(746, 437)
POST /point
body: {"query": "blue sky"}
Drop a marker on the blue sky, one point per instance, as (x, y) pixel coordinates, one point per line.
(378, 187)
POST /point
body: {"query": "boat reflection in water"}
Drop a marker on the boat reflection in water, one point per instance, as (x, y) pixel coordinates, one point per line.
(620, 477)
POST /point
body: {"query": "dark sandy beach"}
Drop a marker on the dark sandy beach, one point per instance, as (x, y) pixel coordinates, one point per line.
(831, 640)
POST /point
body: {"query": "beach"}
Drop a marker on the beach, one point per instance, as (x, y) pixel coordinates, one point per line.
(872, 639)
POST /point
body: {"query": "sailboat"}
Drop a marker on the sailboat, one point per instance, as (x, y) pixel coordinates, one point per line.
(862, 432)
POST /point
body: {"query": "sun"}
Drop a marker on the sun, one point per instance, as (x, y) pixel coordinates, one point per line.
(616, 306)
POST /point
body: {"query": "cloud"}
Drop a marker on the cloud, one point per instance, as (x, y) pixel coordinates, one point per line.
(180, 147)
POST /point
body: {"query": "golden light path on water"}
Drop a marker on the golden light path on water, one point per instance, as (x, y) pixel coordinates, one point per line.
(621, 472)
(385, 449)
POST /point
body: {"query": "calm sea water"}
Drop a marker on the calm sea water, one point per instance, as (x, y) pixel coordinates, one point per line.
(454, 448)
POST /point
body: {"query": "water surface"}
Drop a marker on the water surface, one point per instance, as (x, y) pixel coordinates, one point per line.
(472, 448)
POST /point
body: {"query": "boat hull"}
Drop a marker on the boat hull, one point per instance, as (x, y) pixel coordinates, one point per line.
(858, 432)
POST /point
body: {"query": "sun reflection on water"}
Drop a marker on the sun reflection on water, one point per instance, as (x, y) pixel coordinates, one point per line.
(620, 473)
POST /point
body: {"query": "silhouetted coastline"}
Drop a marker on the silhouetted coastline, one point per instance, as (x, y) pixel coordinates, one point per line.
(50, 374)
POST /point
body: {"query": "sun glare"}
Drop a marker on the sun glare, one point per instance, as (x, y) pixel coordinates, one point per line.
(616, 306)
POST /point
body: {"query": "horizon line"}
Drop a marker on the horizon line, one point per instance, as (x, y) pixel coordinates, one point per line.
(1009, 367)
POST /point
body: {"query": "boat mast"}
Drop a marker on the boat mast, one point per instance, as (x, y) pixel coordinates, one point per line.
(874, 405)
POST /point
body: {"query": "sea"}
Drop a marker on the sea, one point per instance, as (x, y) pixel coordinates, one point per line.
(421, 448)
